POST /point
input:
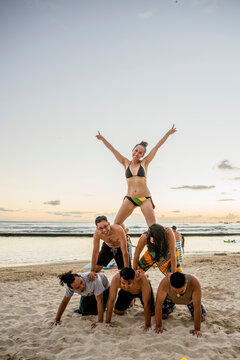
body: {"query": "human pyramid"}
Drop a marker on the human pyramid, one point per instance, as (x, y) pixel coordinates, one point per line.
(97, 294)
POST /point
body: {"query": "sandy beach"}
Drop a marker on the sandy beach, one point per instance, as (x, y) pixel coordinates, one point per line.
(30, 296)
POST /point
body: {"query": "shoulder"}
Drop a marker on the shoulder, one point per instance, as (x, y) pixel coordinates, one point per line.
(168, 230)
(143, 237)
(116, 279)
(170, 233)
(195, 284)
(99, 280)
(127, 162)
(144, 162)
(164, 284)
(117, 229)
(68, 292)
(142, 279)
(96, 234)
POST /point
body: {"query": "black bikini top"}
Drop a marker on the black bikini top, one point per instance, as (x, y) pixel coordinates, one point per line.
(140, 172)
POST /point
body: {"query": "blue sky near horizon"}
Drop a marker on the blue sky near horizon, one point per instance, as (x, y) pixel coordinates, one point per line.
(129, 69)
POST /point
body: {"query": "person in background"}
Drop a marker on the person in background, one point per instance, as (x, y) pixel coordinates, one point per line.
(183, 244)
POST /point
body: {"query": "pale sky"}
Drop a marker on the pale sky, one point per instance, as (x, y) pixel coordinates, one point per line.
(129, 68)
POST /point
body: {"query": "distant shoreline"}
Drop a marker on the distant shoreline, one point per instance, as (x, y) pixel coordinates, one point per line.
(6, 234)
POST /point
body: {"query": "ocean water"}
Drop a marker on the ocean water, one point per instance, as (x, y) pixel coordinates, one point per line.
(88, 228)
(24, 250)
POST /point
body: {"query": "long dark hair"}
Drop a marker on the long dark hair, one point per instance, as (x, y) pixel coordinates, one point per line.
(160, 246)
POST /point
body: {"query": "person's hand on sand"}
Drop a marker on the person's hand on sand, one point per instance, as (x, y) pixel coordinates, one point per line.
(172, 130)
(160, 329)
(55, 322)
(99, 136)
(92, 275)
(146, 327)
(198, 333)
(109, 324)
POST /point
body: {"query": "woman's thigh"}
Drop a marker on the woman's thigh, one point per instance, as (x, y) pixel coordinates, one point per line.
(148, 212)
(124, 212)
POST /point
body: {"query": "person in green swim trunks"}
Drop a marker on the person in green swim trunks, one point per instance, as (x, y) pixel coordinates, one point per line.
(138, 193)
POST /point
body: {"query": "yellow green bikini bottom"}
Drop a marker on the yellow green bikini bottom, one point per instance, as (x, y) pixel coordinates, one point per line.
(139, 201)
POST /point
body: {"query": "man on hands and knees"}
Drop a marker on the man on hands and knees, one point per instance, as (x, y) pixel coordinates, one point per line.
(114, 246)
(131, 286)
(181, 289)
(94, 294)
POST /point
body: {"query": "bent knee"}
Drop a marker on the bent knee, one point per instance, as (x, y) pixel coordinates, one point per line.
(118, 312)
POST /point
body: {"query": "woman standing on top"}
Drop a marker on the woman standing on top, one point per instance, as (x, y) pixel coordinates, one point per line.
(138, 193)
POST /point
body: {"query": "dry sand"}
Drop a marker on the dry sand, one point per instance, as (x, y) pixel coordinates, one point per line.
(30, 297)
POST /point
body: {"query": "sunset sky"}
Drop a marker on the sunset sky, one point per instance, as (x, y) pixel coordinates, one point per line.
(129, 69)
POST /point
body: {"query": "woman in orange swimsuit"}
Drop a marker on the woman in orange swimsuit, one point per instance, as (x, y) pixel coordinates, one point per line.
(136, 170)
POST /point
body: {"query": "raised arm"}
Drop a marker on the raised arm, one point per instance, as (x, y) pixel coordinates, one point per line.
(172, 249)
(124, 161)
(140, 245)
(154, 150)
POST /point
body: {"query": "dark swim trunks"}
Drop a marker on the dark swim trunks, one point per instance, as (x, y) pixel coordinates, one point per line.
(107, 254)
(125, 298)
(88, 304)
(168, 305)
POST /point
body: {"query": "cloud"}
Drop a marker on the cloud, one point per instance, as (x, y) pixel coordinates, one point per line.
(225, 165)
(226, 200)
(52, 202)
(145, 15)
(171, 219)
(70, 213)
(210, 7)
(227, 217)
(194, 187)
(176, 211)
(231, 216)
(7, 210)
